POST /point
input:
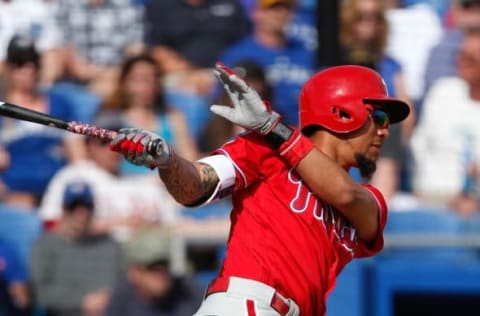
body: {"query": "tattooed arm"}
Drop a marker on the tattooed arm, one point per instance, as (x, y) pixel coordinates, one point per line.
(190, 183)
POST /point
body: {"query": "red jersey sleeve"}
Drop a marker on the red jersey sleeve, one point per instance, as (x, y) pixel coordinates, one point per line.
(368, 250)
(248, 153)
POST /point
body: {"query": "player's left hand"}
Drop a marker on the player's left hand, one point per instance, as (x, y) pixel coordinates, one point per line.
(135, 143)
(249, 110)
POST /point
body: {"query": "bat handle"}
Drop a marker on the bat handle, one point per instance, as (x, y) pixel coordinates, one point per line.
(154, 147)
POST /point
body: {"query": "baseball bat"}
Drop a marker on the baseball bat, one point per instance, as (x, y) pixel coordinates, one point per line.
(20, 113)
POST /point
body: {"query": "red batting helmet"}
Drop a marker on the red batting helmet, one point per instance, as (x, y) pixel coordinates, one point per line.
(335, 99)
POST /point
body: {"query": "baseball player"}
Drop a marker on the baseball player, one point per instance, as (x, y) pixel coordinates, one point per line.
(297, 218)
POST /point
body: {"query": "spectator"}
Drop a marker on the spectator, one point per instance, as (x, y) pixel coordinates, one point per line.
(139, 98)
(191, 34)
(446, 142)
(413, 30)
(150, 288)
(72, 270)
(28, 175)
(364, 31)
(303, 26)
(97, 48)
(34, 19)
(442, 58)
(121, 204)
(96, 36)
(15, 296)
(187, 38)
(440, 6)
(287, 63)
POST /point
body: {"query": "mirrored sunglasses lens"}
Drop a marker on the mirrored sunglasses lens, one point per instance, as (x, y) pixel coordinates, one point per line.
(381, 118)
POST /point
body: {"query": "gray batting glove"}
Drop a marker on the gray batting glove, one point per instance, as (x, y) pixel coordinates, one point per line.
(249, 110)
(142, 147)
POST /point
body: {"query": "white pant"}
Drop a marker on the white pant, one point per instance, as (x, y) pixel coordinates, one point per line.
(243, 298)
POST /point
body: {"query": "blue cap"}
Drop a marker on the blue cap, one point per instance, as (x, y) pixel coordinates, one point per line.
(78, 193)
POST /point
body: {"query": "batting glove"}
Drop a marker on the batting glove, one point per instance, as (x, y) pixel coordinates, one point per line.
(249, 110)
(142, 147)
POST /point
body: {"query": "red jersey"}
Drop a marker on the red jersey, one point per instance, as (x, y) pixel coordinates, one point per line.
(281, 233)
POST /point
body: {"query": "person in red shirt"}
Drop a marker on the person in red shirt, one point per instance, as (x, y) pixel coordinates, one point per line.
(298, 217)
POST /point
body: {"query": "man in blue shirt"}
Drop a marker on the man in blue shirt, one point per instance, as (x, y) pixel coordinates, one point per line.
(287, 63)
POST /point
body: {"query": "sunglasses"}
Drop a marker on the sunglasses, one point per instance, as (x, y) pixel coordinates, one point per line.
(380, 118)
(368, 16)
(158, 266)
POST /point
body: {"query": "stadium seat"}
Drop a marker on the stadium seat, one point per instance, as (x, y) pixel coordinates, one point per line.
(19, 227)
(218, 209)
(419, 234)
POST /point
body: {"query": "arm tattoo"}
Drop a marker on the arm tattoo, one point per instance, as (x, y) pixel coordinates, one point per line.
(190, 183)
(209, 179)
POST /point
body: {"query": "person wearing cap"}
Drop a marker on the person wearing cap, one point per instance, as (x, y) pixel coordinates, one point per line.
(287, 62)
(73, 270)
(297, 217)
(150, 288)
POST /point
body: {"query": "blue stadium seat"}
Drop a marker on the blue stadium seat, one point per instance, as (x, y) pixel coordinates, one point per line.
(194, 107)
(19, 227)
(423, 220)
(203, 278)
(471, 225)
(218, 209)
(424, 226)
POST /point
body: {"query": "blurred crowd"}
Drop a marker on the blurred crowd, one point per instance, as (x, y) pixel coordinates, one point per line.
(103, 244)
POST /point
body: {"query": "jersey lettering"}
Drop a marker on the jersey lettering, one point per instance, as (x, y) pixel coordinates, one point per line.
(332, 220)
(301, 199)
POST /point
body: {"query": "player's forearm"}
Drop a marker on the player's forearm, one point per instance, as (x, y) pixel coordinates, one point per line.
(327, 179)
(190, 183)
(333, 184)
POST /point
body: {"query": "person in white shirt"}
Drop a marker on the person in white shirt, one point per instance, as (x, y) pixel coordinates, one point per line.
(35, 19)
(413, 31)
(122, 204)
(446, 141)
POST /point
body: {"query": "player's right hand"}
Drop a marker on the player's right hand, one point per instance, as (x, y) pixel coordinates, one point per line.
(142, 147)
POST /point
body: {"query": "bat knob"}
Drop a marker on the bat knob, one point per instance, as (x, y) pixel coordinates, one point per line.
(155, 147)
